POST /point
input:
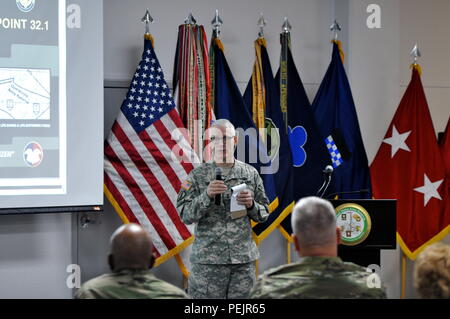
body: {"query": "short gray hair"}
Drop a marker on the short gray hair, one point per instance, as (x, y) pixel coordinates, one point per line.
(225, 124)
(314, 221)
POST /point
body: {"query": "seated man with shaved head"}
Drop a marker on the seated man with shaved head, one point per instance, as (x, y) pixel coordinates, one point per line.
(130, 260)
(320, 272)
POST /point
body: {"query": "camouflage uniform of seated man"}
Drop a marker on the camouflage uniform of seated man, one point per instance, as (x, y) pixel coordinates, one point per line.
(130, 260)
(320, 273)
(224, 251)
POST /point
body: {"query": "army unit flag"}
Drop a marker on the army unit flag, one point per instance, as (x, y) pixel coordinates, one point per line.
(337, 120)
(142, 172)
(309, 153)
(229, 104)
(409, 167)
(263, 102)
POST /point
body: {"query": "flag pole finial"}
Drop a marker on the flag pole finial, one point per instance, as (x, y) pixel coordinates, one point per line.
(415, 53)
(261, 24)
(147, 19)
(335, 28)
(286, 26)
(190, 19)
(216, 23)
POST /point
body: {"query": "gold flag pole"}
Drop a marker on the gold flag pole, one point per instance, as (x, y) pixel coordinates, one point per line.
(403, 280)
(285, 44)
(288, 252)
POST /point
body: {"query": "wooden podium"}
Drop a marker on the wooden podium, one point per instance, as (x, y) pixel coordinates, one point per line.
(382, 224)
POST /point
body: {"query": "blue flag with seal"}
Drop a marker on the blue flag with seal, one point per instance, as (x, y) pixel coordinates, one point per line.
(335, 112)
(309, 153)
(229, 104)
(263, 102)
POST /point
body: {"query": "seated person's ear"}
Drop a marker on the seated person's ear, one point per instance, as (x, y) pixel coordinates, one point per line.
(296, 245)
(338, 235)
(152, 260)
(111, 261)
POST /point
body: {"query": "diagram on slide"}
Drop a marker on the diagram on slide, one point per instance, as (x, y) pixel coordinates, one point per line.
(24, 94)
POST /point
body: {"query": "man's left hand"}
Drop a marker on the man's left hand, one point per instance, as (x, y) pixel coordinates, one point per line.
(245, 198)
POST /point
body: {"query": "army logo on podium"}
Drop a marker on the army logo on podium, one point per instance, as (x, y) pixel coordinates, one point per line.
(354, 222)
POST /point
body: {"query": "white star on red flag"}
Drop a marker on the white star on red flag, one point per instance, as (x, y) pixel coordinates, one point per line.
(397, 141)
(429, 189)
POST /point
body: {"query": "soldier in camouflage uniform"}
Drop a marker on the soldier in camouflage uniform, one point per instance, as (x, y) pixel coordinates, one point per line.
(130, 260)
(320, 273)
(224, 251)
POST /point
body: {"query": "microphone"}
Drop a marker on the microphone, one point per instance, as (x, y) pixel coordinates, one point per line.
(360, 191)
(327, 171)
(217, 198)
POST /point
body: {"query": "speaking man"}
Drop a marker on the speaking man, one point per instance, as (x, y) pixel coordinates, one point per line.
(223, 252)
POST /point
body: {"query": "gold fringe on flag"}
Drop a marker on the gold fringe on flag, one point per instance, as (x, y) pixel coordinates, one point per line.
(259, 92)
(149, 37)
(417, 67)
(341, 51)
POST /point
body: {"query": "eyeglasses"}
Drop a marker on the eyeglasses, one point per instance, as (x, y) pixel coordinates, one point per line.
(219, 140)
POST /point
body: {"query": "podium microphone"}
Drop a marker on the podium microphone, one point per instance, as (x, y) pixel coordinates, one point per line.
(217, 198)
(327, 171)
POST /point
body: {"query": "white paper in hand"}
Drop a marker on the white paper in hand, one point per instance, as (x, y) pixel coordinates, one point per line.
(237, 211)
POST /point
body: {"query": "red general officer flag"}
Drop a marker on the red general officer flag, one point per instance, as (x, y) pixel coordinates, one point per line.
(409, 167)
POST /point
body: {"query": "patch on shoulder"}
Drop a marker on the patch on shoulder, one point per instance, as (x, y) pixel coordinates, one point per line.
(186, 185)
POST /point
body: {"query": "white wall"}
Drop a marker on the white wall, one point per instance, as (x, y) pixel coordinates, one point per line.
(310, 20)
(427, 23)
(374, 78)
(34, 253)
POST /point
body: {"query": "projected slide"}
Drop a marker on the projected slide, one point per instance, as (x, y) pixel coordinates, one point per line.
(33, 97)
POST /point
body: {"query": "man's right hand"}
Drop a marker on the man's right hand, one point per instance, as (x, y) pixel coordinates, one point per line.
(216, 187)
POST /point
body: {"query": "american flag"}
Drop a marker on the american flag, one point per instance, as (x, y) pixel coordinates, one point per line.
(142, 175)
